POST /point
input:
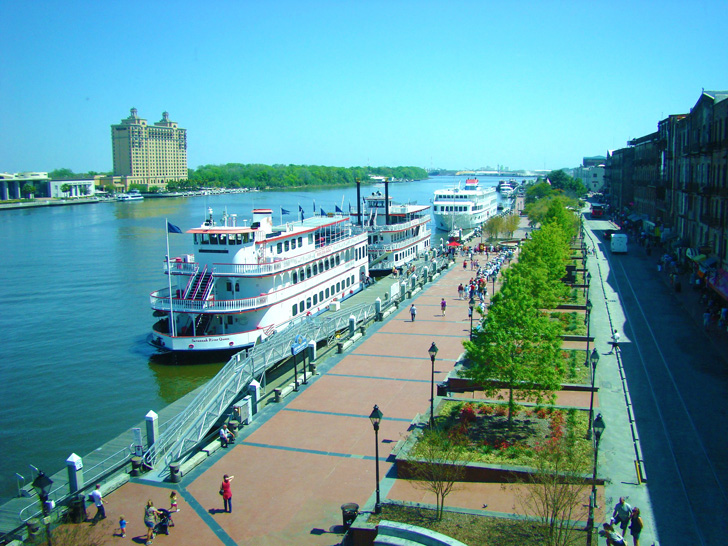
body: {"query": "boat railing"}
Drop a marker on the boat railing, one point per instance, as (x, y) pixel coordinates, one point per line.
(193, 425)
(404, 225)
(159, 300)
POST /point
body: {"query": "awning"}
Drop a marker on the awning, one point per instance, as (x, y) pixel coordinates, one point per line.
(454, 243)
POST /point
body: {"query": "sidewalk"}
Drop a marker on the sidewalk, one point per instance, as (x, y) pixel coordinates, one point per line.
(300, 461)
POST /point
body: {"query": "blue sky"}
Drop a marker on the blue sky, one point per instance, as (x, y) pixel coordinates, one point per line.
(452, 84)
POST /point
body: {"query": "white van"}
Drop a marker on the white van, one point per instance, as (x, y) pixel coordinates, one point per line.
(619, 243)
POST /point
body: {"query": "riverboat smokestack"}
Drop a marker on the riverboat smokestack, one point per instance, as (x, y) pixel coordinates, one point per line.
(386, 199)
(358, 201)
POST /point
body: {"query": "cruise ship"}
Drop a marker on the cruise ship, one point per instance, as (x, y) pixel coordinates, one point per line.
(245, 282)
(464, 208)
(398, 233)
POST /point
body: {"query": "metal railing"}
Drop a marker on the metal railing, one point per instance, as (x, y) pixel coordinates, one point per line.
(191, 426)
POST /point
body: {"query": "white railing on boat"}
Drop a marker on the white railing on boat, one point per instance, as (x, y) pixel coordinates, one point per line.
(159, 300)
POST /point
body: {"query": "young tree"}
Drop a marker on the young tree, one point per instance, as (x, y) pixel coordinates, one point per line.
(28, 189)
(518, 349)
(558, 494)
(493, 226)
(65, 188)
(511, 223)
(440, 464)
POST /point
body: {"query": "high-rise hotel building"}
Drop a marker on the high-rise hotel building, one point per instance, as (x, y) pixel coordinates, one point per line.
(149, 155)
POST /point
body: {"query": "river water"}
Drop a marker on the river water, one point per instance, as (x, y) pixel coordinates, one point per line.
(75, 367)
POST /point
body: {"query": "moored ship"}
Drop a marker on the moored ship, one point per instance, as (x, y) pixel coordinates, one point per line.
(398, 233)
(245, 282)
(464, 208)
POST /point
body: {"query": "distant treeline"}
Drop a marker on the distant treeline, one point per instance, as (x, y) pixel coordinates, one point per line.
(237, 175)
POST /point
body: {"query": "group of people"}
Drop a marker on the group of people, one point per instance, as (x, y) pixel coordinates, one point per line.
(624, 516)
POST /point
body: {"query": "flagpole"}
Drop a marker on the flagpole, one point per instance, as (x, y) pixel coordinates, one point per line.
(169, 279)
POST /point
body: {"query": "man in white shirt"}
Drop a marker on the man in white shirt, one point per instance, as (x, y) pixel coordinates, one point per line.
(99, 503)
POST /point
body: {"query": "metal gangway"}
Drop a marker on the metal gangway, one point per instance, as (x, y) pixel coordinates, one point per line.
(184, 433)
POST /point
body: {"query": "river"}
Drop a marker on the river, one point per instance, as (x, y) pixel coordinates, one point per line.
(75, 364)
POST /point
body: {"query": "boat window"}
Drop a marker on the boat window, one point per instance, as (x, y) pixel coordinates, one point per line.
(302, 274)
(321, 295)
(295, 277)
(204, 239)
(338, 259)
(308, 272)
(229, 286)
(213, 238)
(315, 299)
(300, 242)
(294, 310)
(308, 303)
(302, 306)
(327, 292)
(237, 287)
(315, 268)
(286, 245)
(293, 244)
(230, 319)
(279, 248)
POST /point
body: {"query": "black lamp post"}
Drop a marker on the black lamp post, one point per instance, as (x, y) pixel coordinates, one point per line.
(433, 353)
(583, 261)
(492, 277)
(375, 417)
(471, 307)
(594, 361)
(587, 321)
(588, 282)
(599, 427)
(42, 485)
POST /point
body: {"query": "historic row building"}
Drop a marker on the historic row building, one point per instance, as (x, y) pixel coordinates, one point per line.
(148, 155)
(677, 178)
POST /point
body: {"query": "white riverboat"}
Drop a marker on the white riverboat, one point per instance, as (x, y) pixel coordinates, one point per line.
(464, 208)
(245, 282)
(398, 233)
(506, 189)
(133, 195)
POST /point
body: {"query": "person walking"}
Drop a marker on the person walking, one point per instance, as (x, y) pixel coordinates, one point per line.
(413, 312)
(635, 526)
(443, 306)
(150, 520)
(615, 342)
(227, 494)
(622, 514)
(99, 503)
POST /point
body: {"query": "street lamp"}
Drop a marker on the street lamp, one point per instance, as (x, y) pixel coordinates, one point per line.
(587, 321)
(599, 427)
(376, 417)
(594, 361)
(588, 282)
(433, 353)
(42, 485)
(471, 306)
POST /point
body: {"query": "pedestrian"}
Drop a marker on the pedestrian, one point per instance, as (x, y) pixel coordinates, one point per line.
(150, 520)
(615, 342)
(173, 502)
(465, 264)
(122, 526)
(443, 306)
(99, 503)
(226, 436)
(635, 526)
(413, 312)
(226, 492)
(461, 290)
(622, 514)
(613, 537)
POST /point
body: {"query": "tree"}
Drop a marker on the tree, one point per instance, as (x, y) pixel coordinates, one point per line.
(511, 223)
(493, 226)
(28, 190)
(558, 493)
(440, 464)
(65, 188)
(518, 349)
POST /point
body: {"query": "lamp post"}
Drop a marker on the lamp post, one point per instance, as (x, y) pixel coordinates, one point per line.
(587, 321)
(471, 306)
(433, 353)
(583, 261)
(594, 361)
(588, 282)
(375, 417)
(42, 485)
(599, 427)
(492, 276)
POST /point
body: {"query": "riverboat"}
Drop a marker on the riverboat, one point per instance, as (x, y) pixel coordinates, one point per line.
(133, 195)
(507, 189)
(398, 233)
(464, 208)
(243, 283)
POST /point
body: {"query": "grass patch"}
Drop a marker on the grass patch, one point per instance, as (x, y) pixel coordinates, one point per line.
(576, 372)
(470, 529)
(573, 323)
(485, 430)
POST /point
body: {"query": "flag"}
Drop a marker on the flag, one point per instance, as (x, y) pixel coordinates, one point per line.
(322, 212)
(339, 210)
(284, 211)
(314, 206)
(171, 228)
(300, 209)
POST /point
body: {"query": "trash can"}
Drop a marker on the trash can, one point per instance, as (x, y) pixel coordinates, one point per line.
(174, 475)
(349, 511)
(78, 510)
(33, 526)
(136, 465)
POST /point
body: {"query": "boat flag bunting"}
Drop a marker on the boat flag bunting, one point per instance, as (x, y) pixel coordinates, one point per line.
(339, 210)
(322, 212)
(300, 209)
(171, 228)
(284, 211)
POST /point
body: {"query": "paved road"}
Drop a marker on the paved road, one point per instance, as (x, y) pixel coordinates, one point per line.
(678, 380)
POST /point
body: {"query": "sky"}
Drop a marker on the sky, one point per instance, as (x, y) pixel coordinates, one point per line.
(435, 84)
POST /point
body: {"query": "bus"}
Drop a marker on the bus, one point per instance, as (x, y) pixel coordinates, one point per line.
(597, 210)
